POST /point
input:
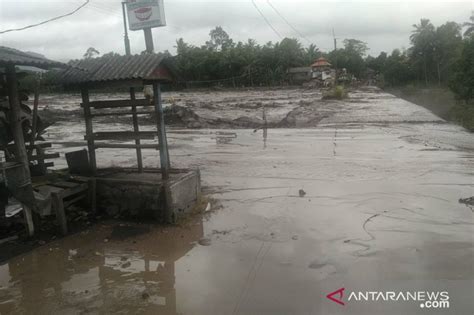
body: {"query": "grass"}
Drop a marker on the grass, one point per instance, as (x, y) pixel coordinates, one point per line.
(464, 115)
(440, 100)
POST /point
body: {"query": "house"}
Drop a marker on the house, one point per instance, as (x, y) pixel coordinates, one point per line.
(321, 69)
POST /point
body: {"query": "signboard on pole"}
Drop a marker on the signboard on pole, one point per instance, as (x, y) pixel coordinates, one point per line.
(145, 14)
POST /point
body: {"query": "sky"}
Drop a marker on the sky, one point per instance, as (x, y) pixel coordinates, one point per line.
(383, 25)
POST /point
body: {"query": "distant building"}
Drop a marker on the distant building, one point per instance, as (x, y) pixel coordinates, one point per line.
(321, 69)
(320, 73)
(299, 75)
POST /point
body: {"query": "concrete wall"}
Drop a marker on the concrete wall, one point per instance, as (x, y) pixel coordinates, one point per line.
(145, 199)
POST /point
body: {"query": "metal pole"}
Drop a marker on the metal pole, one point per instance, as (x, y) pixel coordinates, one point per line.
(125, 38)
(164, 155)
(148, 40)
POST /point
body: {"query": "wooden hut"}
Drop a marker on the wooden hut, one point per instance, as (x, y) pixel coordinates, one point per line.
(131, 71)
(15, 174)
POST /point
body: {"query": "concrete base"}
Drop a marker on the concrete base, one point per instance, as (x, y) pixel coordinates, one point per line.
(126, 192)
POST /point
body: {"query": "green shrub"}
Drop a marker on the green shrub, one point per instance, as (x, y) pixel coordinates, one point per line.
(336, 93)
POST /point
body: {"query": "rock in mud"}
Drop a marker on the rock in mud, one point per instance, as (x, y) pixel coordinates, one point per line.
(248, 122)
(204, 242)
(467, 201)
(182, 116)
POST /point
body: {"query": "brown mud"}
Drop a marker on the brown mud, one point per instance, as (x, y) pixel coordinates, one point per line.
(366, 196)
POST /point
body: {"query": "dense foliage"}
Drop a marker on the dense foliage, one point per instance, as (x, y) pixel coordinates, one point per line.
(437, 56)
(441, 56)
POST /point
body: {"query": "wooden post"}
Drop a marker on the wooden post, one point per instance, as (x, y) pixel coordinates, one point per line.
(35, 114)
(92, 194)
(89, 130)
(58, 205)
(136, 129)
(163, 143)
(21, 155)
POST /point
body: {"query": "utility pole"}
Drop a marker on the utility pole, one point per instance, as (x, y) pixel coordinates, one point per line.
(335, 56)
(125, 38)
(148, 40)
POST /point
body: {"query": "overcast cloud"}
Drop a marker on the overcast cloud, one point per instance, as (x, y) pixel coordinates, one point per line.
(384, 25)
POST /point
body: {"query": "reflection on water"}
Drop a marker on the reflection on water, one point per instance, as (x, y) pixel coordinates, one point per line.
(90, 273)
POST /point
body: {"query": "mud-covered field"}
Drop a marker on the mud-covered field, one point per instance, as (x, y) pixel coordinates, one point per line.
(277, 108)
(367, 194)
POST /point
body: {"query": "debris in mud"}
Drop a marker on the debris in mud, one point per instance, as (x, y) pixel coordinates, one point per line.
(9, 239)
(204, 242)
(303, 116)
(179, 115)
(302, 193)
(248, 122)
(468, 202)
(316, 265)
(126, 265)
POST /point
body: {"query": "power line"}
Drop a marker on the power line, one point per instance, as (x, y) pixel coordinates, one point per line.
(267, 21)
(288, 23)
(47, 21)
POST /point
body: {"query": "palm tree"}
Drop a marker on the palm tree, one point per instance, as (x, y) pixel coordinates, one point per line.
(312, 52)
(469, 25)
(422, 39)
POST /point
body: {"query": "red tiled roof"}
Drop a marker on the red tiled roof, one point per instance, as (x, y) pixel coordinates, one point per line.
(321, 62)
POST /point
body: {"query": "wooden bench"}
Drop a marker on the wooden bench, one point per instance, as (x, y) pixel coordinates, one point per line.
(66, 193)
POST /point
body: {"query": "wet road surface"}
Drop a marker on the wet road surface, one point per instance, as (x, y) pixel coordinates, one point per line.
(364, 205)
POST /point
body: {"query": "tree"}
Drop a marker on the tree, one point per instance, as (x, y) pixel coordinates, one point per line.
(91, 52)
(423, 39)
(355, 46)
(311, 54)
(289, 53)
(463, 81)
(350, 57)
(447, 49)
(397, 69)
(219, 39)
(377, 64)
(470, 26)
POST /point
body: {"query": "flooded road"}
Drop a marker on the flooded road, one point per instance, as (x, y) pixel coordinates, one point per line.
(367, 200)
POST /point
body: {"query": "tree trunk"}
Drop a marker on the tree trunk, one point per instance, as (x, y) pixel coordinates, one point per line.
(426, 71)
(439, 75)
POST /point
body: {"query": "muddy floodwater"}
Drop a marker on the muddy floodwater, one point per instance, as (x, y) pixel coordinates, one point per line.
(365, 198)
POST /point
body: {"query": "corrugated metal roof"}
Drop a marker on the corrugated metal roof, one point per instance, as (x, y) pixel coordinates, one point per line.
(11, 56)
(112, 68)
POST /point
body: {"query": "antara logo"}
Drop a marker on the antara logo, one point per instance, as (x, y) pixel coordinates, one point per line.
(340, 293)
(425, 299)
